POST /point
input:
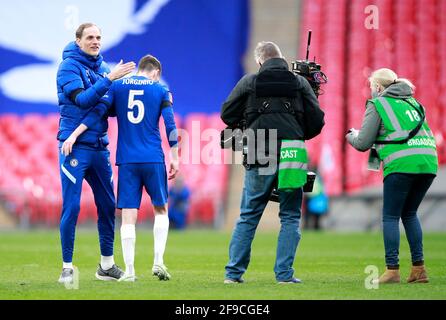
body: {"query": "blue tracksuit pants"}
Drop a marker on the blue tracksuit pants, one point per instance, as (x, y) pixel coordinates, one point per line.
(94, 166)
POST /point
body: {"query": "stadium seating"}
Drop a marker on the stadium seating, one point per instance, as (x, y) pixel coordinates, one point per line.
(442, 73)
(410, 38)
(359, 56)
(30, 182)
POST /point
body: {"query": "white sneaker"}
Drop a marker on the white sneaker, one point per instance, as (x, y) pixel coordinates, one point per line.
(232, 281)
(128, 278)
(161, 272)
(66, 276)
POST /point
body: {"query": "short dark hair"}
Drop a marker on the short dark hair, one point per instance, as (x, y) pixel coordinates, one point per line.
(82, 27)
(149, 63)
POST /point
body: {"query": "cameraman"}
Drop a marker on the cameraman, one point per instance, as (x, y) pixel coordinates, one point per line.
(281, 104)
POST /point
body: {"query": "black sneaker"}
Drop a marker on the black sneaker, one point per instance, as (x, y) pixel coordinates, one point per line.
(66, 276)
(112, 274)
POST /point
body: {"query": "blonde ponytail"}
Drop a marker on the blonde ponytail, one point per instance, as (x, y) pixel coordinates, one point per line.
(384, 77)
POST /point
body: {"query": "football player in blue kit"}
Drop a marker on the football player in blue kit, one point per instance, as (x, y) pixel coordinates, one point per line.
(82, 79)
(139, 102)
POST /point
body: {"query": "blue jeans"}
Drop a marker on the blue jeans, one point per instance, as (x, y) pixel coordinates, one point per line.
(403, 194)
(256, 191)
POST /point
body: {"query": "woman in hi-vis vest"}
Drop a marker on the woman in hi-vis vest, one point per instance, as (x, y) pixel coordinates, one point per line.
(398, 136)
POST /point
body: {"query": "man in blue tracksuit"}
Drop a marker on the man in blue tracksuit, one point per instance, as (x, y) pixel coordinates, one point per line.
(139, 102)
(82, 79)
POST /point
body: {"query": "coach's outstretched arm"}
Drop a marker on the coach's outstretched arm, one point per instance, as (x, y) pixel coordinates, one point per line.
(73, 86)
(103, 108)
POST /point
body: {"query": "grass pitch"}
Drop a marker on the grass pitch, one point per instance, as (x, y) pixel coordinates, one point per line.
(332, 266)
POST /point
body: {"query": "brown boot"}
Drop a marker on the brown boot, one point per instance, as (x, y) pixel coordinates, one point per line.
(389, 276)
(418, 274)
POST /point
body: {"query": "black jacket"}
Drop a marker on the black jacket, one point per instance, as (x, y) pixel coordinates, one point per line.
(309, 116)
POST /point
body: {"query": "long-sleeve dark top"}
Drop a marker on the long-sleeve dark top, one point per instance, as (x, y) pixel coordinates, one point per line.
(233, 109)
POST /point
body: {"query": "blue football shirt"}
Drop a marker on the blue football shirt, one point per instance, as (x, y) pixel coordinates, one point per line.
(139, 103)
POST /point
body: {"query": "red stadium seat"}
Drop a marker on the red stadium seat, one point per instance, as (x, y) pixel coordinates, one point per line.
(411, 34)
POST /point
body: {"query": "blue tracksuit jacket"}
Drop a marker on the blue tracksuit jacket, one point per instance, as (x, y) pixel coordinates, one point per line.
(81, 83)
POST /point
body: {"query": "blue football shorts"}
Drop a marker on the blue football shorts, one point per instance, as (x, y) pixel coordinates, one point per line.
(133, 176)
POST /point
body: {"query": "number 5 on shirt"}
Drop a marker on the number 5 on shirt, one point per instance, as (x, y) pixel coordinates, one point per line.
(135, 103)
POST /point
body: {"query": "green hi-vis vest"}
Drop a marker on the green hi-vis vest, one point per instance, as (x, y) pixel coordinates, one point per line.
(419, 154)
(293, 165)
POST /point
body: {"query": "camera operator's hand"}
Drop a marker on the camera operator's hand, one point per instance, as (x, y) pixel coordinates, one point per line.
(353, 132)
(121, 70)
